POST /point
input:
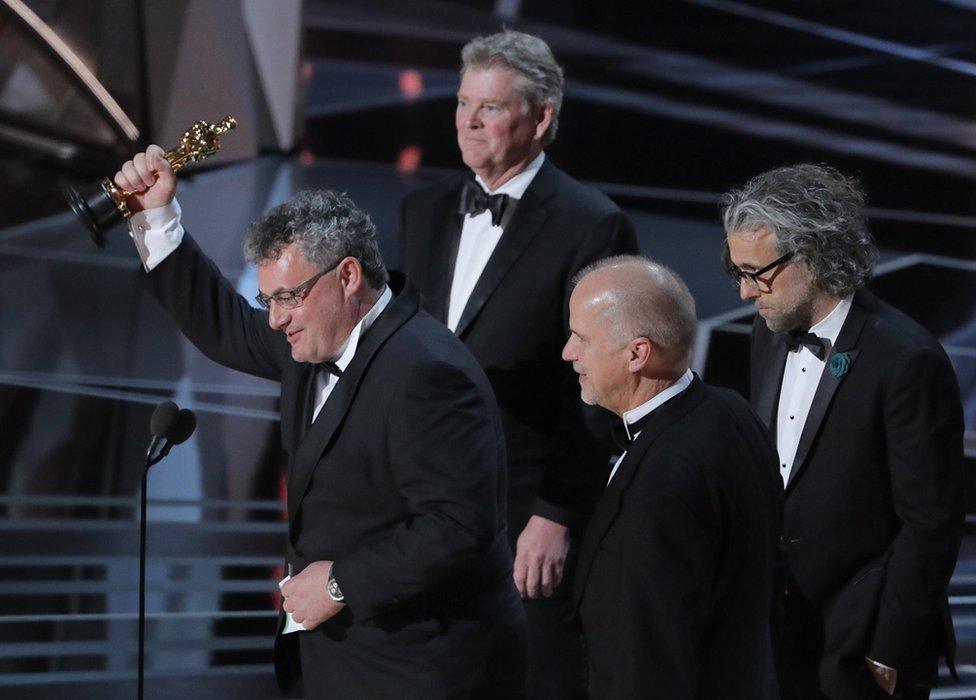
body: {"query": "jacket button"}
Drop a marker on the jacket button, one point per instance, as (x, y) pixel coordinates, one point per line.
(300, 554)
(782, 542)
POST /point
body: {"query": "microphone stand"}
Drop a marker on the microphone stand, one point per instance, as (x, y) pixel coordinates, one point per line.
(151, 459)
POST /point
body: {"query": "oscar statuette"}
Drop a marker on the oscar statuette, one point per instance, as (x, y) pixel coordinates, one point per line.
(103, 205)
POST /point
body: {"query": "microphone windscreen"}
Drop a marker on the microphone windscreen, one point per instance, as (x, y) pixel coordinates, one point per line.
(186, 423)
(163, 419)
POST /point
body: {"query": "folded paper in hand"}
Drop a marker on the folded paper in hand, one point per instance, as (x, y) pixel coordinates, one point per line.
(290, 624)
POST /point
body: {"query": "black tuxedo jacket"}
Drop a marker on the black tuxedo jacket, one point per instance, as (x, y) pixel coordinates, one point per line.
(674, 585)
(400, 480)
(516, 322)
(874, 504)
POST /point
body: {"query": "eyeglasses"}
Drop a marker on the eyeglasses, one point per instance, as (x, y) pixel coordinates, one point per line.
(294, 297)
(738, 274)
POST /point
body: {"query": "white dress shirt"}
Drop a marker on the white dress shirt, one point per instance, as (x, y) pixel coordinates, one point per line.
(479, 238)
(635, 414)
(800, 379)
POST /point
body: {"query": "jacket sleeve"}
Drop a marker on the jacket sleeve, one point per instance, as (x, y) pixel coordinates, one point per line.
(923, 431)
(212, 315)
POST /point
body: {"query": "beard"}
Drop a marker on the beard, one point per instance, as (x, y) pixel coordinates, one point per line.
(587, 397)
(796, 316)
(587, 394)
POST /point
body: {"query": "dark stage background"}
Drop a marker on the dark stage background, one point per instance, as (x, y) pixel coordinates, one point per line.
(668, 104)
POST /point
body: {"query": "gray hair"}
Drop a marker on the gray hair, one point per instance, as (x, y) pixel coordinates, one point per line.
(531, 58)
(817, 214)
(326, 225)
(656, 304)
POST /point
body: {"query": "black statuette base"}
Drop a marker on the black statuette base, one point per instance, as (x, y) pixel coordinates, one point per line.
(96, 209)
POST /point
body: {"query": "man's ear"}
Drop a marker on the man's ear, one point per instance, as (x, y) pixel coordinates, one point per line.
(641, 350)
(544, 116)
(350, 272)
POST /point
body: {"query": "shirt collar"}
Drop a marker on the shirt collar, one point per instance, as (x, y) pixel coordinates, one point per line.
(829, 327)
(517, 186)
(352, 342)
(635, 414)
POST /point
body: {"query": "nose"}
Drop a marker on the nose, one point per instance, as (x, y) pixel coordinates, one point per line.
(278, 317)
(747, 290)
(569, 352)
(470, 118)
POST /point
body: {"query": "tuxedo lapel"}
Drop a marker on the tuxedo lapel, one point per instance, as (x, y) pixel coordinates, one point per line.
(319, 437)
(529, 216)
(442, 234)
(771, 380)
(295, 411)
(828, 386)
(608, 507)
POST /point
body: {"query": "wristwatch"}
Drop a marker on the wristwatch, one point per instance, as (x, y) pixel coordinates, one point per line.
(332, 587)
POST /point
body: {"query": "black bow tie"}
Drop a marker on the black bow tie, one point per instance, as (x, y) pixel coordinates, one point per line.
(475, 200)
(624, 436)
(332, 368)
(814, 343)
(312, 390)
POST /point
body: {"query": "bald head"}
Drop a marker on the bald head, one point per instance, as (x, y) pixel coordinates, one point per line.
(640, 298)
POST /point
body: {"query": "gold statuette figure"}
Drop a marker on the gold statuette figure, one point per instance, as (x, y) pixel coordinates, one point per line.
(103, 205)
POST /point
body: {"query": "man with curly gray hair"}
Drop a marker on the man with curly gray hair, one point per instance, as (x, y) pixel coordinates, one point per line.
(397, 553)
(493, 250)
(865, 411)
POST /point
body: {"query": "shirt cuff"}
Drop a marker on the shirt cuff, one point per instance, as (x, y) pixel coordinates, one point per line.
(156, 233)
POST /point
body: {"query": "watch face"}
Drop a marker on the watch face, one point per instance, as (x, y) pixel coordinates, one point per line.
(334, 590)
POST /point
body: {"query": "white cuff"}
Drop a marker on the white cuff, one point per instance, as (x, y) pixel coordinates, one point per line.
(156, 233)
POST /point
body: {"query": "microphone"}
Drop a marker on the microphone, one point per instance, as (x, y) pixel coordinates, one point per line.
(163, 421)
(180, 431)
(186, 423)
(169, 425)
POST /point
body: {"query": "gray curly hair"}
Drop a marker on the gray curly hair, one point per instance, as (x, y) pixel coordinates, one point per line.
(531, 58)
(816, 213)
(326, 225)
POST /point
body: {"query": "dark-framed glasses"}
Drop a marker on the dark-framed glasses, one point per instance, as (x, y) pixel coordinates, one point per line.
(753, 278)
(294, 297)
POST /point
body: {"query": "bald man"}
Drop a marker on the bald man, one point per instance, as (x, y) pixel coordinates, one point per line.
(674, 588)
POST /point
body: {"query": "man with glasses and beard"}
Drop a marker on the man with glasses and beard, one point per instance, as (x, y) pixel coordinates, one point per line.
(864, 408)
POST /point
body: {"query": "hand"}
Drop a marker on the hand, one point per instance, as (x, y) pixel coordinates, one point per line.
(305, 596)
(539, 557)
(150, 177)
(885, 677)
